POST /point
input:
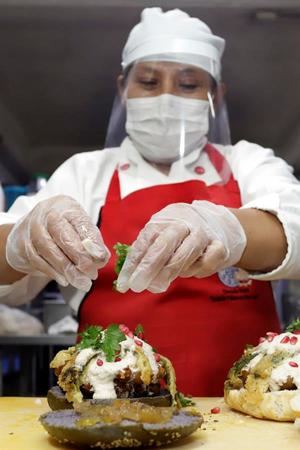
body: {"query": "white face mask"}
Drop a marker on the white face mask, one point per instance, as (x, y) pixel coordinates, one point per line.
(167, 127)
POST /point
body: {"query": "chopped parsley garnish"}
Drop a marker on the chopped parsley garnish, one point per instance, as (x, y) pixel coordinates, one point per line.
(183, 400)
(242, 362)
(293, 326)
(107, 340)
(278, 357)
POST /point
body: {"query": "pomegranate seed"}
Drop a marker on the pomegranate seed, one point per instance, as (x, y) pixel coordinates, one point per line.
(99, 362)
(130, 334)
(123, 328)
(140, 335)
(117, 359)
(296, 332)
(271, 333)
(285, 340)
(215, 410)
(157, 357)
(139, 343)
(293, 340)
(261, 340)
(293, 364)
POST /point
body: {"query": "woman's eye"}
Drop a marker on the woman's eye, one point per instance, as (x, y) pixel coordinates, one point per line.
(189, 86)
(148, 83)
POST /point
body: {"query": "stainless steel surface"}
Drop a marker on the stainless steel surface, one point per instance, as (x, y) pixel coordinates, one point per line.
(40, 340)
(31, 350)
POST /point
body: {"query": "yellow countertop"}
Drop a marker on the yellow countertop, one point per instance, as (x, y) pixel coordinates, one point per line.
(228, 430)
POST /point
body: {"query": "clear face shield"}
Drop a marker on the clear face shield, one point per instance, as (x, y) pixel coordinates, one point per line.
(167, 109)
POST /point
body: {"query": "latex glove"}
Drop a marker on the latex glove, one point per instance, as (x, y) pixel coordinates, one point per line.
(182, 240)
(58, 239)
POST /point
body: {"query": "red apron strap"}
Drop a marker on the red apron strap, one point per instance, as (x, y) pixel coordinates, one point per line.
(219, 162)
(114, 191)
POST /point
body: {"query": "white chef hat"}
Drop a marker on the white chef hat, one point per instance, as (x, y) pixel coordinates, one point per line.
(174, 36)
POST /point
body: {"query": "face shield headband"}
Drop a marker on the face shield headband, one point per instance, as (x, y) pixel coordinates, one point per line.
(218, 129)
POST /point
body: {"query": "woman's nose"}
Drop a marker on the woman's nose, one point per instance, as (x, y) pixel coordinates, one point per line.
(167, 87)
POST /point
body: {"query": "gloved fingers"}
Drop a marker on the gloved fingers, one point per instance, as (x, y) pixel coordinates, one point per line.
(135, 255)
(70, 244)
(92, 248)
(191, 249)
(157, 256)
(77, 279)
(89, 234)
(40, 265)
(185, 255)
(46, 248)
(210, 262)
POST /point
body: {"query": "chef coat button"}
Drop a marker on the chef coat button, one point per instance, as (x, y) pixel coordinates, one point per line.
(199, 170)
(125, 166)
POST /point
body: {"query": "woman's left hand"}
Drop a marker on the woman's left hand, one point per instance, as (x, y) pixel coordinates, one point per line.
(182, 240)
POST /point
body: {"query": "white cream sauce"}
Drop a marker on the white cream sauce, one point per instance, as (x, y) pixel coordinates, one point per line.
(276, 344)
(101, 377)
(280, 373)
(84, 356)
(283, 371)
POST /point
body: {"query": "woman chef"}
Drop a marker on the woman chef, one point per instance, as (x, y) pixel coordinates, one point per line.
(211, 224)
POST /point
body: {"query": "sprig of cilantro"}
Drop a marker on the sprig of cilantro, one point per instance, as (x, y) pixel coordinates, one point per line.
(242, 362)
(293, 326)
(91, 337)
(121, 252)
(107, 340)
(111, 342)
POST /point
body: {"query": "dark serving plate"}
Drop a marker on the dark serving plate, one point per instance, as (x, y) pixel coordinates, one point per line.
(62, 426)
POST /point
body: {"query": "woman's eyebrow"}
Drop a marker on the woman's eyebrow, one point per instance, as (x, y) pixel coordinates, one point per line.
(188, 71)
(146, 69)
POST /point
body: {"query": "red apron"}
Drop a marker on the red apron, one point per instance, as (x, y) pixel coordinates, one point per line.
(201, 325)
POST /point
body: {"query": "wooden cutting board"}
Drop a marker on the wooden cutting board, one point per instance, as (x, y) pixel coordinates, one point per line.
(228, 430)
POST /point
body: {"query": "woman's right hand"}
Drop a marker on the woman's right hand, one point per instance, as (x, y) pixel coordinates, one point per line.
(58, 239)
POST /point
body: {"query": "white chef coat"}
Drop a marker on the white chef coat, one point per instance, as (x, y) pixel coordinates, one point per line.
(266, 182)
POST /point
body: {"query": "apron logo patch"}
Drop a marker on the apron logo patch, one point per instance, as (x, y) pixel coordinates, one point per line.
(234, 277)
